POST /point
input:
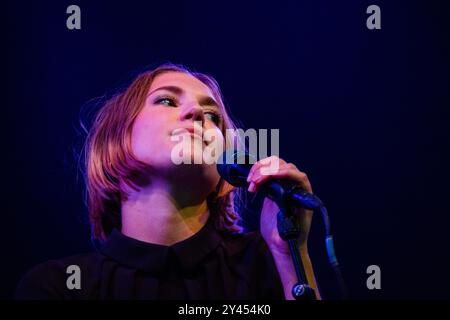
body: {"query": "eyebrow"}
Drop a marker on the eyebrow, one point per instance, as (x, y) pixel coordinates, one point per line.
(204, 100)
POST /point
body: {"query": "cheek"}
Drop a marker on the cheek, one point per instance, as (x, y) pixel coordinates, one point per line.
(213, 131)
(148, 136)
(216, 143)
(220, 140)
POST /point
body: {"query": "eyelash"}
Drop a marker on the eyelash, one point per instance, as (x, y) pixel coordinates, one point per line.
(216, 117)
(159, 99)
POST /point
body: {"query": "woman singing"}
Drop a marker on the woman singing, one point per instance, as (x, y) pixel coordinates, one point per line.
(170, 231)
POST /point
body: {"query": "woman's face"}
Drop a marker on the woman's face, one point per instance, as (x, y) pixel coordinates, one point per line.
(176, 103)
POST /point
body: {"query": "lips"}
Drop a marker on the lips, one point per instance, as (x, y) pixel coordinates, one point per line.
(191, 131)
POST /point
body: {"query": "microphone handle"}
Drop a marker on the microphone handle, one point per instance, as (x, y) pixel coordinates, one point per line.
(281, 192)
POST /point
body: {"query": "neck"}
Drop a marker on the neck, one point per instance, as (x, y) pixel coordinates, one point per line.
(154, 215)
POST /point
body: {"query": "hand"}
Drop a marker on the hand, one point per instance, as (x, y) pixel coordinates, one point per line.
(276, 168)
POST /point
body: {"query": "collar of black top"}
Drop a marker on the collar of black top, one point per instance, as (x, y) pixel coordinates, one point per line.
(154, 258)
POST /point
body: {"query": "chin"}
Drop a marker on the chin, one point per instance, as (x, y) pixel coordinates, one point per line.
(193, 158)
(188, 154)
(194, 165)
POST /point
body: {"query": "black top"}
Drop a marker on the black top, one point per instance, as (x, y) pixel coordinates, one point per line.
(209, 265)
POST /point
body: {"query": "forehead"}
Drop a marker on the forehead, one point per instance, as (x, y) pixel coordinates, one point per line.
(185, 81)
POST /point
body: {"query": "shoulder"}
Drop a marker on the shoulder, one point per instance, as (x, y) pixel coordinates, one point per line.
(48, 280)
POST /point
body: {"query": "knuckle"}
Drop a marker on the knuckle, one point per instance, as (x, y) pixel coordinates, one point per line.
(291, 166)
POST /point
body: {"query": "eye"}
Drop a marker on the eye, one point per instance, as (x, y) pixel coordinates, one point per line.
(168, 101)
(214, 117)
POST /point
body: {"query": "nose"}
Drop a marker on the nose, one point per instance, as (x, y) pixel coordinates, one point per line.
(193, 113)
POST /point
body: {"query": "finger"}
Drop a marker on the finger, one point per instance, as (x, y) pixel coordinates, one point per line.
(258, 172)
(255, 168)
(264, 163)
(288, 173)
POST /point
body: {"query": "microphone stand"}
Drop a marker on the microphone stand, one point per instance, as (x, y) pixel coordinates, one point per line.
(289, 230)
(287, 197)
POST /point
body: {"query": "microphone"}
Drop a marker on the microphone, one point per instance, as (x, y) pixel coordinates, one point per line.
(234, 167)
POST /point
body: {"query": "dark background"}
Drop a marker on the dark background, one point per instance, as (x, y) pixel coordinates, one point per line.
(365, 113)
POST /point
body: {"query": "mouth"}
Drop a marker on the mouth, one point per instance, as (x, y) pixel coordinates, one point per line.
(188, 131)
